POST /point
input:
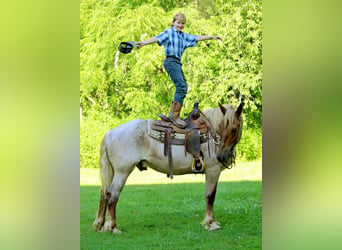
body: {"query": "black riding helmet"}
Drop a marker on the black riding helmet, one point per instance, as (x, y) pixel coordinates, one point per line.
(126, 47)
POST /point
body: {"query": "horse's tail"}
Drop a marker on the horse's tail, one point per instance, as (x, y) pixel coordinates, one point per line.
(107, 170)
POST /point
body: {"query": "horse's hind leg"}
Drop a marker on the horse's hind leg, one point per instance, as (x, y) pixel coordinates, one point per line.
(113, 194)
(99, 221)
(106, 179)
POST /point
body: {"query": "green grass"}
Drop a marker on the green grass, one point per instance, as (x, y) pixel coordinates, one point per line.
(168, 216)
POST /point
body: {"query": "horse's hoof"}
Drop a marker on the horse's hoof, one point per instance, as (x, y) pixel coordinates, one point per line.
(211, 225)
(116, 231)
(97, 225)
(214, 226)
(107, 227)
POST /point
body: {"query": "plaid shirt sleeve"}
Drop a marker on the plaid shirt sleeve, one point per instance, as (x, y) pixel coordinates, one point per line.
(190, 40)
(163, 38)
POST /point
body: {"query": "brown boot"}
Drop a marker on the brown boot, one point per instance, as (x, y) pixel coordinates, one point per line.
(176, 108)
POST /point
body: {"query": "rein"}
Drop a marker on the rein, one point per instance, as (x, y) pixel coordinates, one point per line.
(214, 135)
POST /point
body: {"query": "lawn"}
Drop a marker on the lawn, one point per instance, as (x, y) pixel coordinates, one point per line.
(155, 212)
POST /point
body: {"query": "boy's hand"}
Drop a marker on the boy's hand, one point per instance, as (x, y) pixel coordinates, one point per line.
(140, 44)
(147, 42)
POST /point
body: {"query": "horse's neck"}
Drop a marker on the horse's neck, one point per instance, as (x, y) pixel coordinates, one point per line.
(215, 117)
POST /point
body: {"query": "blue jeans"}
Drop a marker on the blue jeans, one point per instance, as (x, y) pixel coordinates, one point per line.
(173, 67)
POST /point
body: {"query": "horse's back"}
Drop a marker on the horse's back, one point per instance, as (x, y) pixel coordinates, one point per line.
(126, 131)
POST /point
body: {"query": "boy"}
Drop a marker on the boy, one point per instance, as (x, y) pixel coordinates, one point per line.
(175, 41)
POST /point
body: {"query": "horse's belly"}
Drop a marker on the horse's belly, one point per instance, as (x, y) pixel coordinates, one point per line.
(181, 162)
(177, 170)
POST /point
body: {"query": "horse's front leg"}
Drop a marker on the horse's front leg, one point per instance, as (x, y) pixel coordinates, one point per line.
(211, 179)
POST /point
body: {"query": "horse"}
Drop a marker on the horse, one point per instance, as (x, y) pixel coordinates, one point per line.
(129, 146)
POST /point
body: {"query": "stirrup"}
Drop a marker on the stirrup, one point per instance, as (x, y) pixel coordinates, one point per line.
(194, 163)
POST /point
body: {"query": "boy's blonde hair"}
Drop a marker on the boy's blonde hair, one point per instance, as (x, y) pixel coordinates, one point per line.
(179, 17)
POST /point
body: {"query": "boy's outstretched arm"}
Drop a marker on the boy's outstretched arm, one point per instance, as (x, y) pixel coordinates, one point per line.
(149, 41)
(202, 38)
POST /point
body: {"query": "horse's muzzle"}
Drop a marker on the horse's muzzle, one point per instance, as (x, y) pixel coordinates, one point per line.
(222, 158)
(225, 155)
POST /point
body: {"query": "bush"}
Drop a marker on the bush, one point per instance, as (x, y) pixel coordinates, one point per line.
(250, 146)
(92, 129)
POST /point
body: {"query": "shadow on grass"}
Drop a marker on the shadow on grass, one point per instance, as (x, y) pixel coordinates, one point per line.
(168, 216)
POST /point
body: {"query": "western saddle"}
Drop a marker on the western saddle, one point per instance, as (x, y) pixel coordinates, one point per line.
(195, 133)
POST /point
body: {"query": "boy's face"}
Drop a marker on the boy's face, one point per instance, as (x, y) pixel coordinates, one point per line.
(179, 24)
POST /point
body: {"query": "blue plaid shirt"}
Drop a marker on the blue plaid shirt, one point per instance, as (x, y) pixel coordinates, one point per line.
(175, 42)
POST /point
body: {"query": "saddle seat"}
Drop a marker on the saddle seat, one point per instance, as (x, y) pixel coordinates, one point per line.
(194, 133)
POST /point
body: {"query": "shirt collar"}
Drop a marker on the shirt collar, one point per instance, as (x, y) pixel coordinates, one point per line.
(175, 30)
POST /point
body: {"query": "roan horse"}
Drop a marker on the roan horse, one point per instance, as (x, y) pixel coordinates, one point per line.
(129, 145)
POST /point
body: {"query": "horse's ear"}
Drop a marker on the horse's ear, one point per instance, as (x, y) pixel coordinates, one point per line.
(223, 109)
(239, 110)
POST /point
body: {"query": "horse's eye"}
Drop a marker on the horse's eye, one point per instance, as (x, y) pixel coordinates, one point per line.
(234, 130)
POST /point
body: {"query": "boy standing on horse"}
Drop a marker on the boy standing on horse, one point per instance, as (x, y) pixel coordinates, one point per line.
(175, 41)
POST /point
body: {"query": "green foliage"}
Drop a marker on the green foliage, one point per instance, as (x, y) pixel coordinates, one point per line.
(92, 132)
(135, 85)
(249, 148)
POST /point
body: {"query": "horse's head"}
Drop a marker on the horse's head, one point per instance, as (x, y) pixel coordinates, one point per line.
(230, 130)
